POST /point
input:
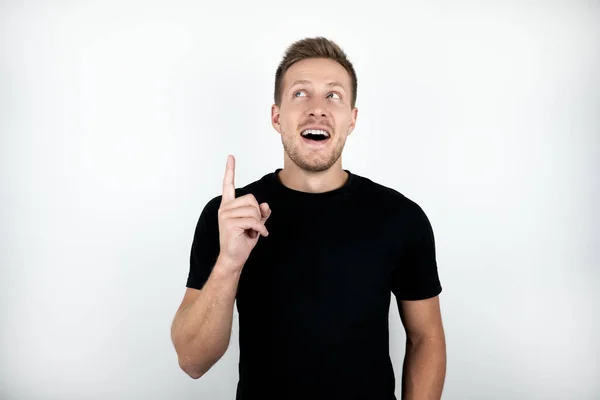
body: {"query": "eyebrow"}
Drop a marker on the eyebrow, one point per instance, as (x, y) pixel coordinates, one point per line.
(305, 82)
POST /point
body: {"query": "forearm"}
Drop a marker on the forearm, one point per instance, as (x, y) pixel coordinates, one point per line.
(424, 369)
(201, 331)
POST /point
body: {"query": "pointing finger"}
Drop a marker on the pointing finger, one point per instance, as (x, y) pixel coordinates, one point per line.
(229, 181)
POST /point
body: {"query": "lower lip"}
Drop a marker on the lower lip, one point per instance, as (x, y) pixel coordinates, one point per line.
(315, 144)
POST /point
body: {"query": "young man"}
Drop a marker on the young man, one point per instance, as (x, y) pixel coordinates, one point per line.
(312, 253)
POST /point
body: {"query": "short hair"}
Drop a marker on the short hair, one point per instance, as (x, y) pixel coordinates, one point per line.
(315, 47)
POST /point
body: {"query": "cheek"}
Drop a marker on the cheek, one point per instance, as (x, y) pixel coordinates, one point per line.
(289, 121)
(341, 119)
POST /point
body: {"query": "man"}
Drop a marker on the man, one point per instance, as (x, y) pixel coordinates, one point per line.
(311, 254)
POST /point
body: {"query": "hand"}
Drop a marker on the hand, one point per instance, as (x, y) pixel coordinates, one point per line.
(241, 222)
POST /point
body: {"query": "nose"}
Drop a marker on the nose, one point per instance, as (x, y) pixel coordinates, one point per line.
(318, 113)
(317, 109)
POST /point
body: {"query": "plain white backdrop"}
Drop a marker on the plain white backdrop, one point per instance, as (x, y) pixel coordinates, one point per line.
(116, 119)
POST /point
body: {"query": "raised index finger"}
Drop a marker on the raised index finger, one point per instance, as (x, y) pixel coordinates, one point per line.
(229, 181)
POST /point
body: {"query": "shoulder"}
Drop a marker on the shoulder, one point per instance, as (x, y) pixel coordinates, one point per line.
(388, 199)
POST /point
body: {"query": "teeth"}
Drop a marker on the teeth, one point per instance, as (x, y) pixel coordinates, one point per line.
(315, 132)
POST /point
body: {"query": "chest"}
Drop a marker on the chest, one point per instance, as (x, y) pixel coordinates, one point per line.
(316, 268)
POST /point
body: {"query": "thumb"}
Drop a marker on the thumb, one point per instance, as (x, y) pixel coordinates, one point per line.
(265, 211)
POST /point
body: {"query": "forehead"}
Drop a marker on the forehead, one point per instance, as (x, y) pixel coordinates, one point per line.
(317, 71)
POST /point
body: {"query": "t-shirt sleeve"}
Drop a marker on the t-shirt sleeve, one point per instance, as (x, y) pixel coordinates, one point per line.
(205, 246)
(416, 275)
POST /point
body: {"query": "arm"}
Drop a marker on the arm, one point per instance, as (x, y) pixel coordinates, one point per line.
(201, 329)
(424, 368)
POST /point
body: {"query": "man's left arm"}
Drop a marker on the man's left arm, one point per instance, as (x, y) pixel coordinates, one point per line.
(424, 368)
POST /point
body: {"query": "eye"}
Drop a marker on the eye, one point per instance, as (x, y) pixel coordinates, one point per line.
(299, 92)
(334, 94)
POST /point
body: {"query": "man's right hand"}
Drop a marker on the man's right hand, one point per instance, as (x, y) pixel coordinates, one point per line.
(241, 222)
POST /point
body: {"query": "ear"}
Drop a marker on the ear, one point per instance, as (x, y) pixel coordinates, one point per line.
(275, 113)
(352, 120)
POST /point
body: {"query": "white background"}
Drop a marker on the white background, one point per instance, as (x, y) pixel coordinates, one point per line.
(116, 119)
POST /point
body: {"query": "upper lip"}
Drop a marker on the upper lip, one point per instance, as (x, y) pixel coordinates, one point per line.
(317, 127)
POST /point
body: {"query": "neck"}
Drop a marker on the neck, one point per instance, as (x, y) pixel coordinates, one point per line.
(301, 180)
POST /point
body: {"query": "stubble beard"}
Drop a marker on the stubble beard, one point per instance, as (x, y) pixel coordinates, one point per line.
(313, 162)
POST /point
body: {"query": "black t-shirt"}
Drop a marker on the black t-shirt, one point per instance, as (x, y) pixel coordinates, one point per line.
(313, 297)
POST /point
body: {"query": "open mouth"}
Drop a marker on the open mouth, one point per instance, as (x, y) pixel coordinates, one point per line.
(315, 135)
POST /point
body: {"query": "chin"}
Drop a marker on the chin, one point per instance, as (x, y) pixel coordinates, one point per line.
(314, 167)
(314, 162)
